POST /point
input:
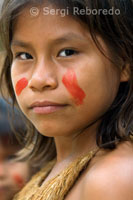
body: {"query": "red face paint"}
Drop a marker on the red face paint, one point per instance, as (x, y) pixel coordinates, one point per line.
(71, 83)
(18, 180)
(21, 84)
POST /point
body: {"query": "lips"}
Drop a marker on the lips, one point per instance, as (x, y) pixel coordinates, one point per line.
(46, 107)
(45, 104)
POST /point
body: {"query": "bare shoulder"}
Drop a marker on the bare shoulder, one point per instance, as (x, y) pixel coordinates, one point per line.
(111, 176)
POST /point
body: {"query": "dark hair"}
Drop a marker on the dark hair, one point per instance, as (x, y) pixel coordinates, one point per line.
(116, 31)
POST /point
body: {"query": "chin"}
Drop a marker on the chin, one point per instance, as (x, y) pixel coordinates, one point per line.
(47, 131)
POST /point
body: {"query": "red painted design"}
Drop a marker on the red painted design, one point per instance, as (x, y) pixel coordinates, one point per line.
(18, 180)
(21, 84)
(71, 83)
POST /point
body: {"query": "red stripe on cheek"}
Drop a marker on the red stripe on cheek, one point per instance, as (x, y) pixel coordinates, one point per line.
(18, 180)
(21, 84)
(71, 83)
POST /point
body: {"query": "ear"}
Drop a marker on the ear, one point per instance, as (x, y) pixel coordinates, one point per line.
(125, 74)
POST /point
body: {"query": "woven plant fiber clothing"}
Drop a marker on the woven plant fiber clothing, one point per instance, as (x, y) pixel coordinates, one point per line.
(58, 187)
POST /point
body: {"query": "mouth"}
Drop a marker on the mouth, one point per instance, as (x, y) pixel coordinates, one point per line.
(46, 107)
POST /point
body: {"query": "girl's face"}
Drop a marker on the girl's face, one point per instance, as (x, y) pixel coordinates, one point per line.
(13, 175)
(61, 80)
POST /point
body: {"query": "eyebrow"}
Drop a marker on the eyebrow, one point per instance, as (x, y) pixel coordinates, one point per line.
(65, 38)
(21, 44)
(69, 37)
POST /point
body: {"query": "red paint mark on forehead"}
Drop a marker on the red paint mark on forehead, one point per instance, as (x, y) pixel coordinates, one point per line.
(71, 83)
(18, 180)
(21, 84)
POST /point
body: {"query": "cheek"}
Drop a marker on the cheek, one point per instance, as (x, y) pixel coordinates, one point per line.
(21, 84)
(19, 180)
(71, 84)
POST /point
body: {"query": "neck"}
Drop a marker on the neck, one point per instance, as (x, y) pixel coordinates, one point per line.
(70, 147)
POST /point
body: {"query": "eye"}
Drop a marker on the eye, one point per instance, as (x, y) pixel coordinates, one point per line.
(23, 56)
(67, 53)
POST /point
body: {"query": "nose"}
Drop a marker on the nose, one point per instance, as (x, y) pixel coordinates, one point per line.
(43, 76)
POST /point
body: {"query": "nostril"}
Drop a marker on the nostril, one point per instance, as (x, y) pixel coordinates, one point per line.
(37, 83)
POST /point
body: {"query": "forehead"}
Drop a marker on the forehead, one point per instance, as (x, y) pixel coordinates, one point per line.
(52, 25)
(49, 29)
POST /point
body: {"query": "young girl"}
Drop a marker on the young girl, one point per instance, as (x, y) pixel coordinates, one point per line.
(72, 76)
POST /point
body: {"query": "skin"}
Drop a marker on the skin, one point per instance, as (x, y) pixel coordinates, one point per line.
(70, 82)
(109, 176)
(45, 39)
(21, 84)
(13, 175)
